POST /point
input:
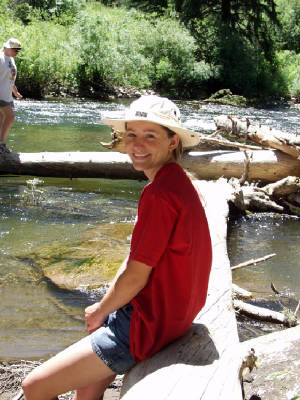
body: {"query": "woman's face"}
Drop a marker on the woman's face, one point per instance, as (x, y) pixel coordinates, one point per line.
(149, 146)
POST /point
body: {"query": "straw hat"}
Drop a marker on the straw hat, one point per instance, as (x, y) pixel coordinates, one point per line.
(12, 43)
(158, 110)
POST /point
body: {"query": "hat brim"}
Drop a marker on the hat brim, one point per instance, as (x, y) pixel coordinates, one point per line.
(188, 138)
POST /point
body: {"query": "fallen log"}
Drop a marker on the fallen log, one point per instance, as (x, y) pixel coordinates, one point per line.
(277, 373)
(197, 365)
(288, 185)
(265, 135)
(265, 165)
(264, 314)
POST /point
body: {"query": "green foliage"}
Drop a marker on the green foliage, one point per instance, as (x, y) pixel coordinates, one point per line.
(47, 59)
(289, 63)
(72, 44)
(245, 70)
(63, 11)
(124, 48)
(109, 52)
(289, 15)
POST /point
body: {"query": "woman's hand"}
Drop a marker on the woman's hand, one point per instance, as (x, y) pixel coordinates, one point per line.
(94, 317)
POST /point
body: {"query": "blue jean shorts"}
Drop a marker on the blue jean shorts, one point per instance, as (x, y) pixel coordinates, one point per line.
(111, 341)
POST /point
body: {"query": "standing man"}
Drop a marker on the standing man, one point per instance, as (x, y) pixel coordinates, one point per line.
(8, 74)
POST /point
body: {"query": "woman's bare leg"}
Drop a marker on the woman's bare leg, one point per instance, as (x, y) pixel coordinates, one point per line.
(74, 368)
(7, 117)
(94, 391)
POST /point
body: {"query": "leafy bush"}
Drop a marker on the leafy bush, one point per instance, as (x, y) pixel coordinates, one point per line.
(289, 14)
(244, 68)
(125, 48)
(47, 60)
(289, 63)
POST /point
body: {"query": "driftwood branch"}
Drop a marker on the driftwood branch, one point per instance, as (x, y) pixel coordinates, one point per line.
(224, 142)
(266, 136)
(240, 293)
(253, 261)
(283, 187)
(264, 314)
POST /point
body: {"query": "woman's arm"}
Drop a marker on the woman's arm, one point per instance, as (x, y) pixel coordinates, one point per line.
(129, 281)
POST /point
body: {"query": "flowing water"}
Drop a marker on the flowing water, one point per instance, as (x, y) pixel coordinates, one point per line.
(36, 318)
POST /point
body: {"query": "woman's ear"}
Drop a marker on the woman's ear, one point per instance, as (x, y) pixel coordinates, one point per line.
(173, 142)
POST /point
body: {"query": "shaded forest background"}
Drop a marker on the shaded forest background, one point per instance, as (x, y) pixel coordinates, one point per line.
(179, 48)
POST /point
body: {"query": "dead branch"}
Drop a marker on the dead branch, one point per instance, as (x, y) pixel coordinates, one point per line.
(265, 135)
(248, 158)
(240, 293)
(253, 261)
(225, 142)
(283, 187)
(264, 314)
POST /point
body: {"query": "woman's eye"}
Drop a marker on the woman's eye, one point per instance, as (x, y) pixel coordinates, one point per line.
(130, 134)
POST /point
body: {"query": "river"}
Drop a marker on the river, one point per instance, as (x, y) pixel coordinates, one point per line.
(33, 321)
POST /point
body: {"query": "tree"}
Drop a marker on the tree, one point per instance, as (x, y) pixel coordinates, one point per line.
(289, 15)
(252, 19)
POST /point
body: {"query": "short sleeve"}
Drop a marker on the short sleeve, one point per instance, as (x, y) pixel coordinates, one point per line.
(153, 229)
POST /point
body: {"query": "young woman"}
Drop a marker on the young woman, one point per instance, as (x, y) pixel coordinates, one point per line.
(162, 285)
(8, 73)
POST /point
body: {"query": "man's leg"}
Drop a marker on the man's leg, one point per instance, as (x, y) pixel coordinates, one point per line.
(74, 368)
(6, 120)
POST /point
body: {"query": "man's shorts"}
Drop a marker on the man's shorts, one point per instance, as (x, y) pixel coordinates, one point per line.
(111, 341)
(6, 103)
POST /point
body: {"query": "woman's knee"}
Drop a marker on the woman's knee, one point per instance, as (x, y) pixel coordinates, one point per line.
(28, 382)
(32, 385)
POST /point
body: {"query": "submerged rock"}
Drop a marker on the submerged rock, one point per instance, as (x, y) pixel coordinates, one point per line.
(90, 263)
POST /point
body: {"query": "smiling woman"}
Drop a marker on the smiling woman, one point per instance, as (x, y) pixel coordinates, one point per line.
(162, 286)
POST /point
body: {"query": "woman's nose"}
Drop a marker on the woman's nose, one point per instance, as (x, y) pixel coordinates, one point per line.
(138, 142)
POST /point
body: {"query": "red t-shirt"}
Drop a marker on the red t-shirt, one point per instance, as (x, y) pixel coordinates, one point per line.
(172, 236)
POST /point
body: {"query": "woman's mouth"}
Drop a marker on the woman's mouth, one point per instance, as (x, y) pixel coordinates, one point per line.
(140, 156)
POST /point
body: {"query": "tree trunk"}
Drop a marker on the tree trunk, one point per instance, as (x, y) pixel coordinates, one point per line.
(266, 165)
(265, 135)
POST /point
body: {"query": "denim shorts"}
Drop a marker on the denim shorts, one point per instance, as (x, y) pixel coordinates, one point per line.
(6, 103)
(111, 341)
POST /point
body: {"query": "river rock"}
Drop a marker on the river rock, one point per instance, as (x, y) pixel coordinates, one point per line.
(88, 264)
